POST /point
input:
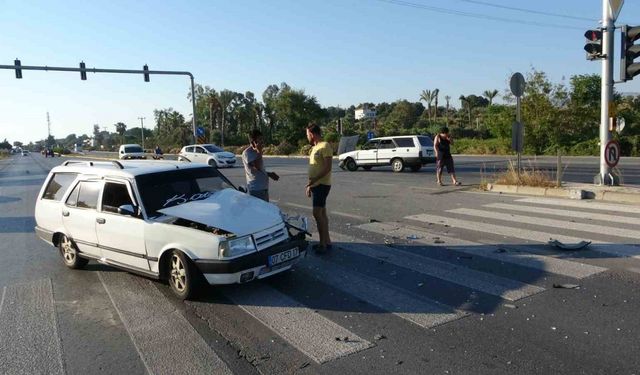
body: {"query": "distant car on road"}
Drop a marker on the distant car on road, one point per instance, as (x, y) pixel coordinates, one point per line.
(131, 151)
(25, 152)
(174, 221)
(208, 154)
(411, 151)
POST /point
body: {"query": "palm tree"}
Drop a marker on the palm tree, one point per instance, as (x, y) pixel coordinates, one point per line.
(466, 101)
(435, 94)
(490, 95)
(427, 96)
(225, 98)
(214, 107)
(120, 129)
(447, 98)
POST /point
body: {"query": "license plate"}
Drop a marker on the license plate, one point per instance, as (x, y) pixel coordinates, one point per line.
(283, 256)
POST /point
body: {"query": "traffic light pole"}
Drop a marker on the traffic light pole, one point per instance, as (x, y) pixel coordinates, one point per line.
(605, 177)
(122, 71)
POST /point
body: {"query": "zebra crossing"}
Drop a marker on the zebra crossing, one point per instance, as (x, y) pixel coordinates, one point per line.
(167, 343)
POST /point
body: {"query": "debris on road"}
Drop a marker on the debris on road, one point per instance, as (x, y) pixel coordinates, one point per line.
(571, 247)
(510, 306)
(379, 337)
(413, 237)
(566, 286)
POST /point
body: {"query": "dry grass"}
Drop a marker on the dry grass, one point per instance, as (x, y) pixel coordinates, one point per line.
(529, 176)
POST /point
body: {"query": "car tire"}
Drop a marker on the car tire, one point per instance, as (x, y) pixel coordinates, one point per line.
(397, 165)
(212, 163)
(415, 168)
(184, 279)
(69, 252)
(351, 165)
(367, 168)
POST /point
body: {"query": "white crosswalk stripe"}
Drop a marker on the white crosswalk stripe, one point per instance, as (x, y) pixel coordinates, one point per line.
(29, 341)
(567, 213)
(526, 234)
(305, 329)
(544, 263)
(166, 342)
(418, 310)
(585, 204)
(488, 283)
(557, 224)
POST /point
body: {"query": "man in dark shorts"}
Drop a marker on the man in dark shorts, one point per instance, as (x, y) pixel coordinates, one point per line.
(442, 146)
(320, 162)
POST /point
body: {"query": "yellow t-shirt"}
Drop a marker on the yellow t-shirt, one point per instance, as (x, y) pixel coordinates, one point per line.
(318, 153)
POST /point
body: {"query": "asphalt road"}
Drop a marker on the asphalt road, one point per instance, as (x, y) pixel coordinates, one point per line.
(426, 279)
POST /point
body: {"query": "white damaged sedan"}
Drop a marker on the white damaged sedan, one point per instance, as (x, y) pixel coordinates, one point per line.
(180, 222)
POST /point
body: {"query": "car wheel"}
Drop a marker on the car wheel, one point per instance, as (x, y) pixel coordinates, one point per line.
(212, 163)
(351, 165)
(367, 168)
(183, 277)
(415, 168)
(69, 253)
(397, 165)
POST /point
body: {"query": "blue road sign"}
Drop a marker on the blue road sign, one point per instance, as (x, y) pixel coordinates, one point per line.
(199, 131)
(370, 134)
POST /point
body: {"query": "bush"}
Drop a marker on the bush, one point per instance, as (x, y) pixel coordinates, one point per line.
(494, 146)
(586, 148)
(284, 148)
(305, 149)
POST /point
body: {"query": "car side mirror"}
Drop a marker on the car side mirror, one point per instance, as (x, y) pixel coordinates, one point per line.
(127, 209)
(242, 189)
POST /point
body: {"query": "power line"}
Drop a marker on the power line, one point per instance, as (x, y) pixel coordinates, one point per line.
(532, 11)
(477, 15)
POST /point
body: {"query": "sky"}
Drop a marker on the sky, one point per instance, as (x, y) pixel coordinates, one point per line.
(343, 52)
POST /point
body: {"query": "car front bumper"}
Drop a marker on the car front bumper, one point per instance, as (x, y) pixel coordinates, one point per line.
(251, 266)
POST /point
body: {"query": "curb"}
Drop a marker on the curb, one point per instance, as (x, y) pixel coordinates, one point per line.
(568, 193)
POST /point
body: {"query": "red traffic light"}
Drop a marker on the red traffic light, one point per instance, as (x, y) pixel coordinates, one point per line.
(593, 35)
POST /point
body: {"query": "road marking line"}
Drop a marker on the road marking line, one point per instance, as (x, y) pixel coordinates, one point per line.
(383, 184)
(560, 224)
(306, 330)
(29, 340)
(585, 204)
(331, 212)
(567, 213)
(164, 339)
(549, 264)
(416, 309)
(508, 289)
(529, 235)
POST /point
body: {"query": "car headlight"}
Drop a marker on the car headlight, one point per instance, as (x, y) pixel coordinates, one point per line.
(235, 247)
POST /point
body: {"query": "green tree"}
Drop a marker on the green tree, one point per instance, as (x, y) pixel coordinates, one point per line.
(490, 95)
(120, 129)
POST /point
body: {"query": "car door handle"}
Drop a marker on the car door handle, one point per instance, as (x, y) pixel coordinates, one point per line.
(100, 220)
(65, 213)
(393, 150)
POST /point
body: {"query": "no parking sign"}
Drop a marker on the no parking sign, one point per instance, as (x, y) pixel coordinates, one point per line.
(612, 153)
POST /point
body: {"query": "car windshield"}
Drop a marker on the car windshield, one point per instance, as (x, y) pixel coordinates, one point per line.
(213, 148)
(425, 141)
(129, 149)
(171, 188)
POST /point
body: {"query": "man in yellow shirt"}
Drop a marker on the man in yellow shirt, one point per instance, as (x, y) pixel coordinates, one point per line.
(320, 162)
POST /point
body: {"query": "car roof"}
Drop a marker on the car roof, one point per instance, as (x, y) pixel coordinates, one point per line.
(203, 145)
(399, 136)
(123, 168)
(130, 144)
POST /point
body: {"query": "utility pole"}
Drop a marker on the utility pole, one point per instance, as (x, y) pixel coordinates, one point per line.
(142, 131)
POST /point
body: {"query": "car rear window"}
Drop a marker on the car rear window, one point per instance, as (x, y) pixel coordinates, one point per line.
(404, 142)
(213, 148)
(130, 149)
(58, 186)
(425, 141)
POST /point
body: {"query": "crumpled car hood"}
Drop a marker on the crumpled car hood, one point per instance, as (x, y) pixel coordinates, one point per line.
(229, 210)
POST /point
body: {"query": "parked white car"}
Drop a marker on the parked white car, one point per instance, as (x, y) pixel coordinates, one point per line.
(174, 221)
(209, 154)
(131, 151)
(411, 151)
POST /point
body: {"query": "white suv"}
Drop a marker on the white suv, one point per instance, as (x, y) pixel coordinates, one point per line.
(180, 222)
(131, 151)
(208, 154)
(411, 151)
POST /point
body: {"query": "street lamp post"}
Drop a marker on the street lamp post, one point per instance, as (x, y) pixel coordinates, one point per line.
(142, 131)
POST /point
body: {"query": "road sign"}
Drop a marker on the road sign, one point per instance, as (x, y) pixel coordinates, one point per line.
(612, 153)
(370, 135)
(517, 84)
(199, 131)
(616, 6)
(517, 138)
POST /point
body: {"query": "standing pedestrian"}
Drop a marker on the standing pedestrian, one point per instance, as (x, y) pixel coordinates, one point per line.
(257, 176)
(320, 162)
(157, 153)
(442, 147)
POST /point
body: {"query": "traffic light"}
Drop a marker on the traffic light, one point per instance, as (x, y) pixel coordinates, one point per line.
(593, 46)
(146, 72)
(83, 72)
(18, 70)
(629, 69)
